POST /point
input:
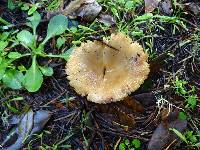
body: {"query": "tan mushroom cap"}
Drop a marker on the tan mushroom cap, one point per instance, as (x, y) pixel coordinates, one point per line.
(107, 72)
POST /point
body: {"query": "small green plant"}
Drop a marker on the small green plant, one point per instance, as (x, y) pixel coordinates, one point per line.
(33, 77)
(118, 8)
(189, 95)
(190, 138)
(30, 8)
(130, 145)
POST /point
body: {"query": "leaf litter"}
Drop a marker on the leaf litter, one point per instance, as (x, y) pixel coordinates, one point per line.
(123, 119)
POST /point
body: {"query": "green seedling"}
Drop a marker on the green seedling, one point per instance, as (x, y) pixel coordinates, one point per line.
(188, 95)
(189, 138)
(33, 77)
(130, 145)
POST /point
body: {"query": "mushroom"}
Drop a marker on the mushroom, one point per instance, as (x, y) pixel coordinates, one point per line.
(107, 71)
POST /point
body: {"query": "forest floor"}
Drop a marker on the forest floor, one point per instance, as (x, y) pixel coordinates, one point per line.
(164, 113)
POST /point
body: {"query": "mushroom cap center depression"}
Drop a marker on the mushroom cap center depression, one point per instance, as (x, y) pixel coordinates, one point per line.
(107, 71)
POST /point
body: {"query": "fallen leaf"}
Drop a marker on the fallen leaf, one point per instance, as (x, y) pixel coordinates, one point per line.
(107, 19)
(115, 114)
(146, 99)
(166, 7)
(162, 136)
(89, 12)
(87, 9)
(150, 5)
(28, 124)
(194, 8)
(132, 104)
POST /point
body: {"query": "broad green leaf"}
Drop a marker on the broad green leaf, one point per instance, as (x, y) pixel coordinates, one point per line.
(33, 77)
(180, 135)
(14, 55)
(26, 38)
(47, 71)
(34, 21)
(57, 25)
(3, 45)
(60, 41)
(13, 79)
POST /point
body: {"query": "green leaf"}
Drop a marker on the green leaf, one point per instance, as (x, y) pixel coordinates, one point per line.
(67, 54)
(136, 143)
(25, 7)
(2, 71)
(12, 109)
(197, 145)
(60, 41)
(14, 55)
(47, 71)
(13, 79)
(114, 11)
(3, 45)
(182, 116)
(180, 135)
(3, 66)
(192, 101)
(34, 21)
(21, 68)
(33, 77)
(122, 146)
(3, 21)
(126, 142)
(11, 4)
(144, 17)
(57, 25)
(4, 36)
(121, 1)
(26, 38)
(32, 10)
(129, 5)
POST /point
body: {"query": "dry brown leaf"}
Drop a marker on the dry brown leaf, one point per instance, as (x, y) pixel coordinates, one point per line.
(166, 7)
(162, 135)
(107, 19)
(113, 113)
(88, 10)
(107, 71)
(150, 5)
(146, 99)
(132, 104)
